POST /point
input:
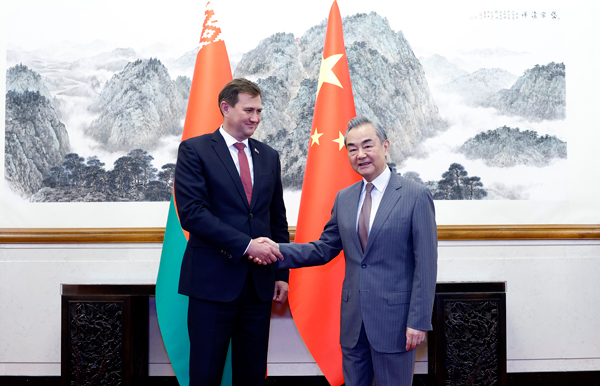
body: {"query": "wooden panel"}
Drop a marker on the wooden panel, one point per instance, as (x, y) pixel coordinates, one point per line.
(468, 343)
(105, 334)
(155, 235)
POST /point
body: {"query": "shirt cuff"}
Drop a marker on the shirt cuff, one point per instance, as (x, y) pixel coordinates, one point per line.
(248, 247)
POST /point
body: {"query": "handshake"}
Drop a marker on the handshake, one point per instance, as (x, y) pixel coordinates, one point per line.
(264, 251)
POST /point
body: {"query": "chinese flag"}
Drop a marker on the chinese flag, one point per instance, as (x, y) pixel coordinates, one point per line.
(316, 292)
(211, 73)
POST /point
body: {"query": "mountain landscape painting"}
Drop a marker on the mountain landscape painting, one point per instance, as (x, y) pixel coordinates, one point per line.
(101, 122)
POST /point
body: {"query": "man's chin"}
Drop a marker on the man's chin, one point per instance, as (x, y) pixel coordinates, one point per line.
(362, 170)
(365, 174)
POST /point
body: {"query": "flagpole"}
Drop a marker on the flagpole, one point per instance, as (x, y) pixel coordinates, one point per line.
(212, 72)
(315, 292)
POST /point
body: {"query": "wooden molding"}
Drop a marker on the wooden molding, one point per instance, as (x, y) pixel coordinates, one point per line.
(80, 235)
(155, 235)
(518, 232)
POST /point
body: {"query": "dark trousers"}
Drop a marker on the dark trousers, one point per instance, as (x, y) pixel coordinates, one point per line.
(211, 326)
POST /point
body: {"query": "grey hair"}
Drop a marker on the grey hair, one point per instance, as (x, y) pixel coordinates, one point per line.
(360, 121)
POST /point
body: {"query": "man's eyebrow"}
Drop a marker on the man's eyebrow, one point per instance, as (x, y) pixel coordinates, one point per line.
(366, 140)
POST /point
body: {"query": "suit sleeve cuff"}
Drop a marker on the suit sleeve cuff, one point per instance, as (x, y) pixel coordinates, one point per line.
(246, 250)
(282, 275)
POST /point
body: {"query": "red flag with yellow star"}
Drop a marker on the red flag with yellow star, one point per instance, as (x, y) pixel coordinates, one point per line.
(315, 292)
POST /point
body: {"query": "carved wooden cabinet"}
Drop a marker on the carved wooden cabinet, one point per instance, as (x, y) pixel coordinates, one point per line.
(104, 334)
(468, 344)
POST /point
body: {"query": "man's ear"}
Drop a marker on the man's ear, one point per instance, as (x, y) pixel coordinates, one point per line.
(224, 107)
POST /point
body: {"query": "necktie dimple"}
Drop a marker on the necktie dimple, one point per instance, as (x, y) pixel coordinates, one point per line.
(364, 217)
(244, 170)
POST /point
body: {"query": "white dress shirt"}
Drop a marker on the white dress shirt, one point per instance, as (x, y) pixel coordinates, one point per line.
(230, 141)
(379, 185)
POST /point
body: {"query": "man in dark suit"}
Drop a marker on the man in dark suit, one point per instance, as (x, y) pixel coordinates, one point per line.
(386, 227)
(228, 193)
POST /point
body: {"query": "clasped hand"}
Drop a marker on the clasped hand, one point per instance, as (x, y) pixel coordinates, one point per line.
(264, 251)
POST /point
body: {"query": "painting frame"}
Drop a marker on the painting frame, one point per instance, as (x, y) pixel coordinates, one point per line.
(155, 235)
(572, 219)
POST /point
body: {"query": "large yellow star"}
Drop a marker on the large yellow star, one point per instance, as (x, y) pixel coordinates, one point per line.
(340, 140)
(326, 74)
(315, 137)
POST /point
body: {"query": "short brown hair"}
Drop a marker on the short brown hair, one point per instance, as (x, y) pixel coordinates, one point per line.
(230, 92)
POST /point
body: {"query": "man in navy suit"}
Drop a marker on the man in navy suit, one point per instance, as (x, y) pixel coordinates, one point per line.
(228, 193)
(385, 224)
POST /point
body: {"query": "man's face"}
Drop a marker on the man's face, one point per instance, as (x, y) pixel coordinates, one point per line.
(366, 152)
(241, 120)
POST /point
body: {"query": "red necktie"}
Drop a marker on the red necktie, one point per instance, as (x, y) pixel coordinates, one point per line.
(244, 170)
(364, 217)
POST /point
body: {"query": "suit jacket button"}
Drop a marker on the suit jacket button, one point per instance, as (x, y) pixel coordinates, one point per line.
(251, 215)
(364, 266)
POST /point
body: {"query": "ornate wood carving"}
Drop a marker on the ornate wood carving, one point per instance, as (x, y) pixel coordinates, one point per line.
(96, 343)
(468, 342)
(105, 334)
(471, 331)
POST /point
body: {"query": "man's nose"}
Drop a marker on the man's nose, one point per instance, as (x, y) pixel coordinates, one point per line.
(255, 117)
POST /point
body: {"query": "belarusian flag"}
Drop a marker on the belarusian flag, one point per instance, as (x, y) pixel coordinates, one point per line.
(211, 74)
(315, 292)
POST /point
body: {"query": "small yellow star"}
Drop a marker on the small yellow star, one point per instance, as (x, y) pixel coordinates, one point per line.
(340, 141)
(326, 74)
(315, 137)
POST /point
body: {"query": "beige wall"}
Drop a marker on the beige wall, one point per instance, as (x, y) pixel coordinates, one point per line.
(552, 301)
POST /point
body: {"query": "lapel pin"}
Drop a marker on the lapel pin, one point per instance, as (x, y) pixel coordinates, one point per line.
(256, 150)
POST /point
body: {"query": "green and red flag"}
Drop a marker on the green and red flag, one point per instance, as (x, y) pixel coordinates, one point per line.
(211, 73)
(315, 292)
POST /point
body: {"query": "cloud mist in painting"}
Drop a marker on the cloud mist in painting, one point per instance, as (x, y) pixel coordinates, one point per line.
(424, 76)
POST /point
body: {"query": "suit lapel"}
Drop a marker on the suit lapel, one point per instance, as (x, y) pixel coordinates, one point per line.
(257, 163)
(349, 216)
(220, 147)
(390, 197)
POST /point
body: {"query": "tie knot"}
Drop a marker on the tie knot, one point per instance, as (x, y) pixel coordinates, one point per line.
(240, 146)
(370, 187)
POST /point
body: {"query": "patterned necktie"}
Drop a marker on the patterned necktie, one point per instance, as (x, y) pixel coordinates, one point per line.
(244, 170)
(364, 217)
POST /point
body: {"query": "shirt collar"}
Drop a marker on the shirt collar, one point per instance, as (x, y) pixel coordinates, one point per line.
(381, 181)
(229, 140)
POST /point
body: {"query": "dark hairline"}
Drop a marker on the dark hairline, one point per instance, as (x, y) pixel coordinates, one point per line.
(230, 92)
(362, 121)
